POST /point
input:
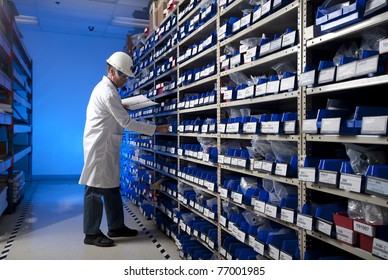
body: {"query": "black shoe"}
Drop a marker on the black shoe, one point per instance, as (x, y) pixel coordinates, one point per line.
(99, 240)
(122, 232)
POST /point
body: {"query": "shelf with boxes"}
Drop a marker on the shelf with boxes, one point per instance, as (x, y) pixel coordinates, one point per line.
(343, 126)
(264, 109)
(16, 109)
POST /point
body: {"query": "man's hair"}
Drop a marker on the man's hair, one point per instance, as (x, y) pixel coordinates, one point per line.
(108, 67)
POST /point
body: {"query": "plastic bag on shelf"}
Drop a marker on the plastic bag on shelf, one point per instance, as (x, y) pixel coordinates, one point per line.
(349, 49)
(229, 50)
(370, 41)
(239, 78)
(232, 144)
(254, 153)
(253, 219)
(363, 156)
(139, 39)
(282, 67)
(372, 214)
(284, 151)
(251, 42)
(230, 209)
(277, 191)
(264, 148)
(248, 183)
(207, 143)
(238, 112)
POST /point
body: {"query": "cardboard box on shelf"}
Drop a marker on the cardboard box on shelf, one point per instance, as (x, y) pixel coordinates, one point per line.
(161, 5)
(152, 15)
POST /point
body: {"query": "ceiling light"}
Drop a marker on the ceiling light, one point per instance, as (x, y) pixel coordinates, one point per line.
(26, 20)
(125, 21)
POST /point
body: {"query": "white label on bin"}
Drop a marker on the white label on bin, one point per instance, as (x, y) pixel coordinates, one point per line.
(374, 125)
(251, 52)
(235, 60)
(223, 252)
(383, 45)
(267, 166)
(258, 164)
(270, 127)
(271, 210)
(237, 197)
(331, 125)
(250, 127)
(305, 222)
(377, 185)
(261, 89)
(223, 221)
(367, 66)
(259, 206)
(256, 15)
(236, 26)
(240, 94)
(285, 256)
(245, 20)
(258, 247)
(326, 75)
(234, 161)
(324, 227)
(227, 94)
(310, 126)
(210, 243)
(380, 248)
(374, 5)
(182, 225)
(227, 160)
(240, 236)
(289, 39)
(223, 192)
(346, 71)
(242, 162)
(273, 252)
(350, 182)
(307, 78)
(364, 228)
(345, 235)
(232, 127)
(264, 49)
(281, 169)
(287, 215)
(273, 86)
(289, 127)
(276, 44)
(287, 83)
(307, 174)
(249, 91)
(266, 7)
(221, 127)
(328, 177)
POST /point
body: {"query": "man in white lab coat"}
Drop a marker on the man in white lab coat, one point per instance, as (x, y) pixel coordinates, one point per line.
(105, 119)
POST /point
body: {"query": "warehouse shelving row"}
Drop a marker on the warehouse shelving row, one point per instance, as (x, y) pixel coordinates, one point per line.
(212, 156)
(16, 110)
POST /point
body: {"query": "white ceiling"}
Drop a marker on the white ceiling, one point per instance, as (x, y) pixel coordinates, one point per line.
(101, 18)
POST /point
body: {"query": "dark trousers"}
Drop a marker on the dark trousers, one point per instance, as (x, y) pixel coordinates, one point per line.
(94, 201)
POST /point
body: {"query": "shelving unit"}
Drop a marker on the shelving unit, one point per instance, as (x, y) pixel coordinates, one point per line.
(16, 108)
(193, 189)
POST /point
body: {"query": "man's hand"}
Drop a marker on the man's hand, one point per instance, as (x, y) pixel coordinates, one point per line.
(163, 129)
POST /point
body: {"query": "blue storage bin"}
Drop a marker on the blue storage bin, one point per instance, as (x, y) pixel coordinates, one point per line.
(291, 248)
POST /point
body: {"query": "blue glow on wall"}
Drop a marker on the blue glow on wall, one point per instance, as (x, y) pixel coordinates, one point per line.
(65, 70)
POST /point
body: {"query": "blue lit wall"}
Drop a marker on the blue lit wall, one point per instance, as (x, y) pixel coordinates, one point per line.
(65, 70)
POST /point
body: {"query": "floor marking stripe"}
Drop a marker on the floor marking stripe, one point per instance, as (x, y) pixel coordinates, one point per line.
(15, 230)
(158, 245)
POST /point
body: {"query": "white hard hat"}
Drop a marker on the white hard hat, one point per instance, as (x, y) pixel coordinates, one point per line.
(122, 62)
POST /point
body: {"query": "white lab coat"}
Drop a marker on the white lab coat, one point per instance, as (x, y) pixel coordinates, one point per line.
(105, 120)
